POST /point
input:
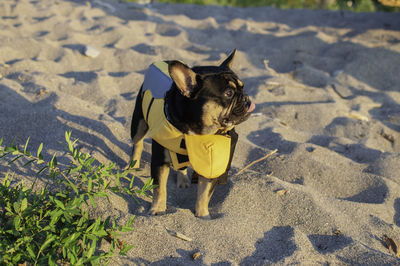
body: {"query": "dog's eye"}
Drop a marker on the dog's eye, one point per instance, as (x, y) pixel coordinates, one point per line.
(229, 93)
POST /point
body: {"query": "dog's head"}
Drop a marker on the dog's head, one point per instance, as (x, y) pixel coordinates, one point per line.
(215, 95)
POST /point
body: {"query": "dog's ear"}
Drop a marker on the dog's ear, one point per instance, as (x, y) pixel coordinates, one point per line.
(229, 60)
(183, 76)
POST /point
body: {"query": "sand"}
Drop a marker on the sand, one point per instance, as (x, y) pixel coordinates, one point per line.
(327, 89)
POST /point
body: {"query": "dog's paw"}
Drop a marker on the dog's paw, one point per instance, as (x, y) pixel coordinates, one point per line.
(202, 214)
(205, 217)
(155, 211)
(159, 207)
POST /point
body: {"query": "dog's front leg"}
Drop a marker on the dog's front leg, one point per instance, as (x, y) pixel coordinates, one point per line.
(137, 139)
(138, 144)
(160, 176)
(139, 129)
(205, 189)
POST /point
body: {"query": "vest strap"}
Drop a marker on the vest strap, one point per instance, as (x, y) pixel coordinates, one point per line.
(148, 109)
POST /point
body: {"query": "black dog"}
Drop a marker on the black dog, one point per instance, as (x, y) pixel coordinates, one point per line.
(190, 114)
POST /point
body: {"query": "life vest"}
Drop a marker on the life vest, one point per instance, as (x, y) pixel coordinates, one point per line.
(208, 155)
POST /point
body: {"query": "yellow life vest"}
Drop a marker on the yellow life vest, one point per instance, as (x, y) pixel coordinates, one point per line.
(208, 154)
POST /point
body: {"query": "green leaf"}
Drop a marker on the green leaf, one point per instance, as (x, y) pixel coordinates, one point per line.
(26, 145)
(73, 143)
(49, 239)
(64, 251)
(53, 161)
(89, 161)
(24, 204)
(39, 150)
(100, 233)
(68, 140)
(132, 164)
(17, 206)
(29, 162)
(102, 194)
(60, 194)
(55, 216)
(149, 183)
(107, 220)
(67, 136)
(125, 229)
(91, 250)
(41, 170)
(17, 223)
(90, 184)
(74, 154)
(94, 225)
(14, 159)
(51, 261)
(6, 181)
(71, 238)
(72, 185)
(76, 169)
(10, 148)
(125, 249)
(30, 251)
(92, 200)
(4, 154)
(107, 184)
(131, 220)
(59, 204)
(16, 258)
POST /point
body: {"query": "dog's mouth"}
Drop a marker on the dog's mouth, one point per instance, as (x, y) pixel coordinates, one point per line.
(251, 107)
(239, 112)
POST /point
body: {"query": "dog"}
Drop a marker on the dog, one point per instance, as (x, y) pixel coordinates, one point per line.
(190, 114)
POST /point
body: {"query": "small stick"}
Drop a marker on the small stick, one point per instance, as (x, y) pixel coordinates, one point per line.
(178, 235)
(258, 160)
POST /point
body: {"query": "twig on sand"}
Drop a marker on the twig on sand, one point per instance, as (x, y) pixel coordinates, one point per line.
(258, 160)
(178, 235)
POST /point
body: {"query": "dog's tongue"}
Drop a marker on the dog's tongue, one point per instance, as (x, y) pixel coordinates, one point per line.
(251, 107)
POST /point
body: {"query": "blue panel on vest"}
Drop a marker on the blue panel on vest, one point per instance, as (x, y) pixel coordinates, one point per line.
(157, 82)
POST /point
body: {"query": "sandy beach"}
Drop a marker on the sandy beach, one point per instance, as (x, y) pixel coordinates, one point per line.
(326, 85)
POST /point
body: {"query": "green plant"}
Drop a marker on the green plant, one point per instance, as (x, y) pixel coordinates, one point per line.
(53, 226)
